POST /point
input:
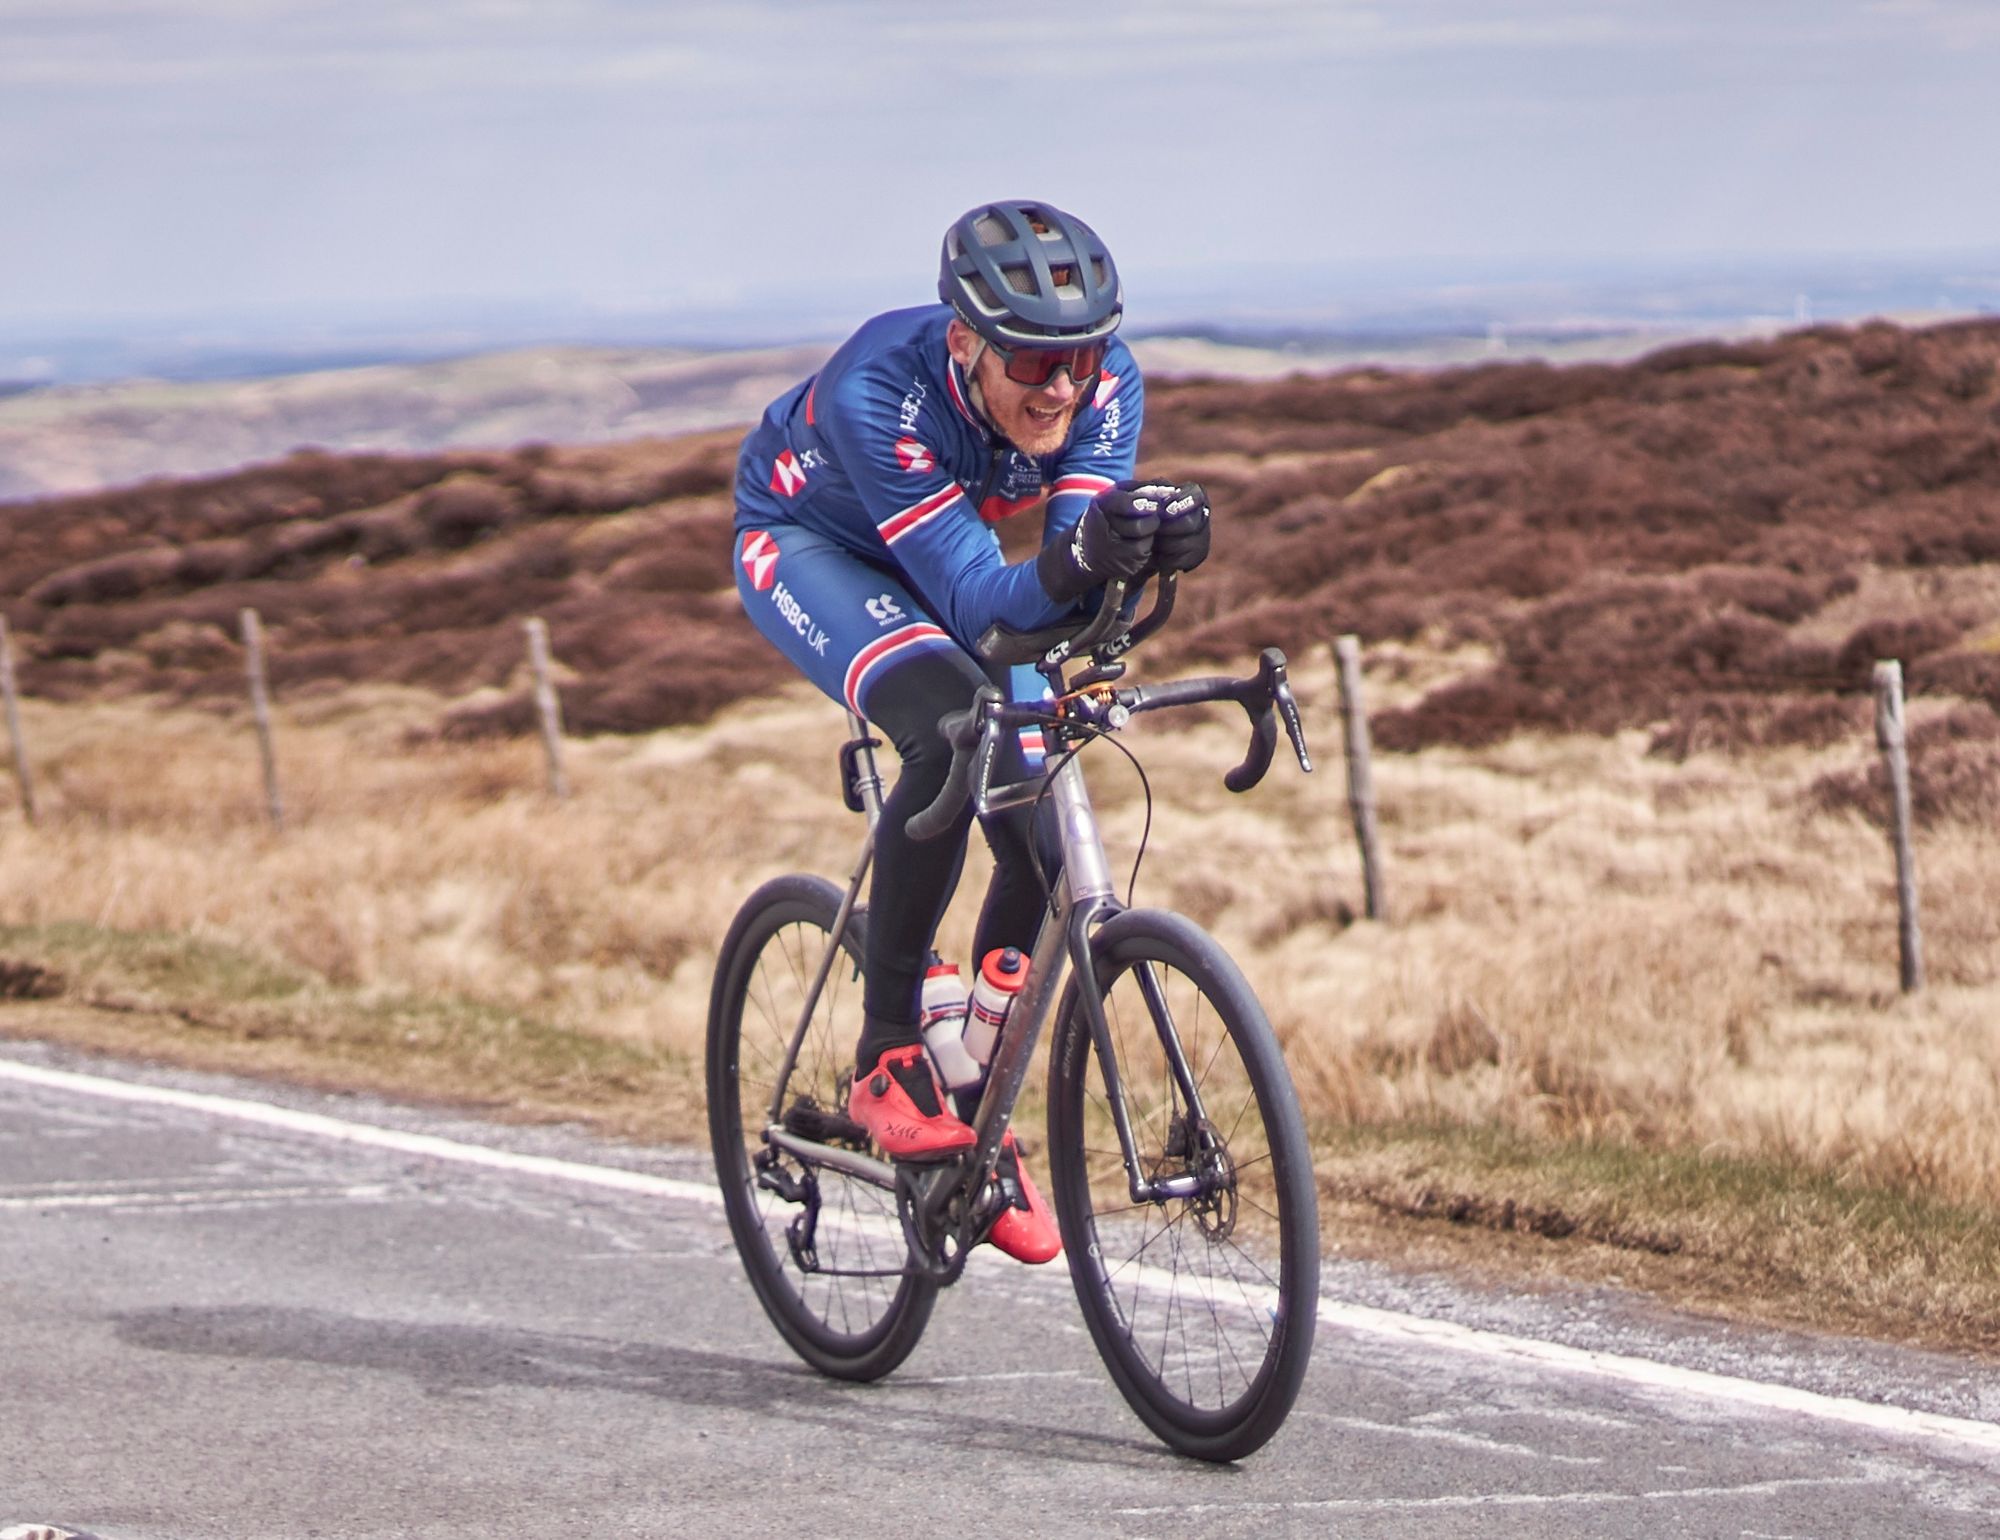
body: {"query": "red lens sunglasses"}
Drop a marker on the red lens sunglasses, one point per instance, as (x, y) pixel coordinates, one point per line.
(1037, 366)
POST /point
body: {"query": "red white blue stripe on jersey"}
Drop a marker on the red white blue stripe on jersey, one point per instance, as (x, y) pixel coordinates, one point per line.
(917, 514)
(877, 655)
(994, 509)
(1034, 747)
(1090, 486)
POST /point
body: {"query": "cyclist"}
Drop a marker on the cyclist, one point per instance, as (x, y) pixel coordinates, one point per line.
(865, 505)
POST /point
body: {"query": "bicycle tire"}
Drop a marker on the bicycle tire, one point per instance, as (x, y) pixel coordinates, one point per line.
(848, 1327)
(1202, 1308)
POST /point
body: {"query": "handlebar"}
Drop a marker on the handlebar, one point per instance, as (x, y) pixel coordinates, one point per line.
(1268, 689)
(1003, 644)
(974, 733)
(972, 747)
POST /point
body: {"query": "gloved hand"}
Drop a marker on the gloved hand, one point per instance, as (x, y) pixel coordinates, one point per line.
(1113, 539)
(1181, 543)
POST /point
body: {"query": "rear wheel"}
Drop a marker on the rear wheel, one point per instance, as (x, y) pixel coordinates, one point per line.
(1202, 1300)
(824, 1250)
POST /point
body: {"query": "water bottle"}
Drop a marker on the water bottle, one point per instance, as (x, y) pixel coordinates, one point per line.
(942, 1021)
(1000, 979)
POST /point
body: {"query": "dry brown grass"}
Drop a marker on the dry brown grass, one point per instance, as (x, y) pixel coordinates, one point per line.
(1592, 947)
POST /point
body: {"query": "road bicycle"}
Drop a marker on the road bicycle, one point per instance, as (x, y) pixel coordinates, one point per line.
(1177, 1158)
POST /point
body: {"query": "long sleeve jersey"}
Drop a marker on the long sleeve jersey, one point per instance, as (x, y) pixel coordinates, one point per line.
(883, 453)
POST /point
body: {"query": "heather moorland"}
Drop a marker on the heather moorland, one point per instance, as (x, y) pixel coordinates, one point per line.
(1633, 1015)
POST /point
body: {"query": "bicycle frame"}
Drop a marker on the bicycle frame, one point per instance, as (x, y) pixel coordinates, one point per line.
(1085, 896)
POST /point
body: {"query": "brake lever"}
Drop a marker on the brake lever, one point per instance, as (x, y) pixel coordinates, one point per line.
(1272, 666)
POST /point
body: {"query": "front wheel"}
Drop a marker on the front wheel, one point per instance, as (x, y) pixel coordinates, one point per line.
(1201, 1297)
(824, 1250)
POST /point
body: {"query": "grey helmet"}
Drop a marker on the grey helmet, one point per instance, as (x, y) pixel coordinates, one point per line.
(1028, 275)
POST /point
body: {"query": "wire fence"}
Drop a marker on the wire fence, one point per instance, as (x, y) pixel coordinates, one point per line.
(1788, 803)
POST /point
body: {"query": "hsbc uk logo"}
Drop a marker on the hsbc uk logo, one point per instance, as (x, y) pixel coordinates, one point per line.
(787, 475)
(884, 610)
(915, 456)
(760, 559)
(796, 616)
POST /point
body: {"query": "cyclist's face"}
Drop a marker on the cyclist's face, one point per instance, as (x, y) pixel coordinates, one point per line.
(1034, 418)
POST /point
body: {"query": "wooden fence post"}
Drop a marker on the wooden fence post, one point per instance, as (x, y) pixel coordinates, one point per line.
(1360, 776)
(260, 708)
(1889, 738)
(14, 735)
(546, 705)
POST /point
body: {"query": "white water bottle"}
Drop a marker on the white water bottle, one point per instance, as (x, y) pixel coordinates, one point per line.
(942, 1021)
(1000, 979)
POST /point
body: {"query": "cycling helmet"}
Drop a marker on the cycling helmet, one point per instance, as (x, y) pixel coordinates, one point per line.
(1028, 275)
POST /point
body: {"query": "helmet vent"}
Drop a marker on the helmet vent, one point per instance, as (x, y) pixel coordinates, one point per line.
(1028, 275)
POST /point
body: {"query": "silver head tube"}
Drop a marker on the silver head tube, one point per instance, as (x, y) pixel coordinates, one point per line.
(1085, 866)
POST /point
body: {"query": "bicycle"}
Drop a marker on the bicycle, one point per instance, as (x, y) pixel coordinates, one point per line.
(1178, 1164)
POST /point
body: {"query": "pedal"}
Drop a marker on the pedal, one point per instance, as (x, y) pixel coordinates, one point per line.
(809, 1120)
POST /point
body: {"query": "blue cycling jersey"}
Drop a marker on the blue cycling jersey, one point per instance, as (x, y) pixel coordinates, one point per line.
(882, 454)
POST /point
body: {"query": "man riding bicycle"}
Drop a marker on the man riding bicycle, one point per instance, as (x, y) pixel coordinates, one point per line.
(866, 553)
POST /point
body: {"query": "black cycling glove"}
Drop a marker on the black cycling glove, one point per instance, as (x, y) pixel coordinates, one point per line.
(1181, 543)
(1113, 539)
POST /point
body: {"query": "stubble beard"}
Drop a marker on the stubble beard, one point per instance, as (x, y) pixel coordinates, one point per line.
(1008, 407)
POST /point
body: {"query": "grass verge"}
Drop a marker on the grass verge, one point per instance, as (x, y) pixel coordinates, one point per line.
(1741, 1237)
(204, 1004)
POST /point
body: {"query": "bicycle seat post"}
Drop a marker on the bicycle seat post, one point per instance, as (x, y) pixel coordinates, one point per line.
(861, 778)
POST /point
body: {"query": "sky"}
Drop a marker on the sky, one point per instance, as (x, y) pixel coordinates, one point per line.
(285, 162)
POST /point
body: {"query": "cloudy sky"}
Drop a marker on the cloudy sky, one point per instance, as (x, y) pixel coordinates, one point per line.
(165, 160)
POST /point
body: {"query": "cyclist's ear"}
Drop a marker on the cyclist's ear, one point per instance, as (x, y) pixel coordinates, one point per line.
(963, 343)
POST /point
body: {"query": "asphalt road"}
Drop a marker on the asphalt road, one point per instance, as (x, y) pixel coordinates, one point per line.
(214, 1327)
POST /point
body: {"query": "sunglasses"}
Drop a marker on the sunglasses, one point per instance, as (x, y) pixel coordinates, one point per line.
(1038, 366)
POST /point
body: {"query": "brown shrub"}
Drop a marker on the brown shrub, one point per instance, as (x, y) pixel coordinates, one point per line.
(1470, 712)
(1637, 544)
(464, 508)
(1903, 638)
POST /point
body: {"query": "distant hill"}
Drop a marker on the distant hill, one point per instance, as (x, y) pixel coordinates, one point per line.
(1713, 542)
(83, 437)
(79, 438)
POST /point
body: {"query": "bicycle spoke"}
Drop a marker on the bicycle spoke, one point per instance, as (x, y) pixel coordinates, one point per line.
(1188, 1292)
(850, 1311)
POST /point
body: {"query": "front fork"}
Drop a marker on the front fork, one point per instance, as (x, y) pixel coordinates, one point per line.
(1189, 1118)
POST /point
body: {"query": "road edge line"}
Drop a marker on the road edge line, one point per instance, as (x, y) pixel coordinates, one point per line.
(1365, 1319)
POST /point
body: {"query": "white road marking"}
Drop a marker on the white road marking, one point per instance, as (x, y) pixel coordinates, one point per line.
(198, 1197)
(995, 1377)
(1500, 1499)
(1415, 1428)
(1440, 1336)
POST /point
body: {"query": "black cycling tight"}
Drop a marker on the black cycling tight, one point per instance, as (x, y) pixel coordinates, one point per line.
(913, 880)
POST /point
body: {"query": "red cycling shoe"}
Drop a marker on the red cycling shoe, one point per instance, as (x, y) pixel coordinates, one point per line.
(1025, 1230)
(898, 1103)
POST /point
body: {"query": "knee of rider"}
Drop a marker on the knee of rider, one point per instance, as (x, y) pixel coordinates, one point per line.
(926, 761)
